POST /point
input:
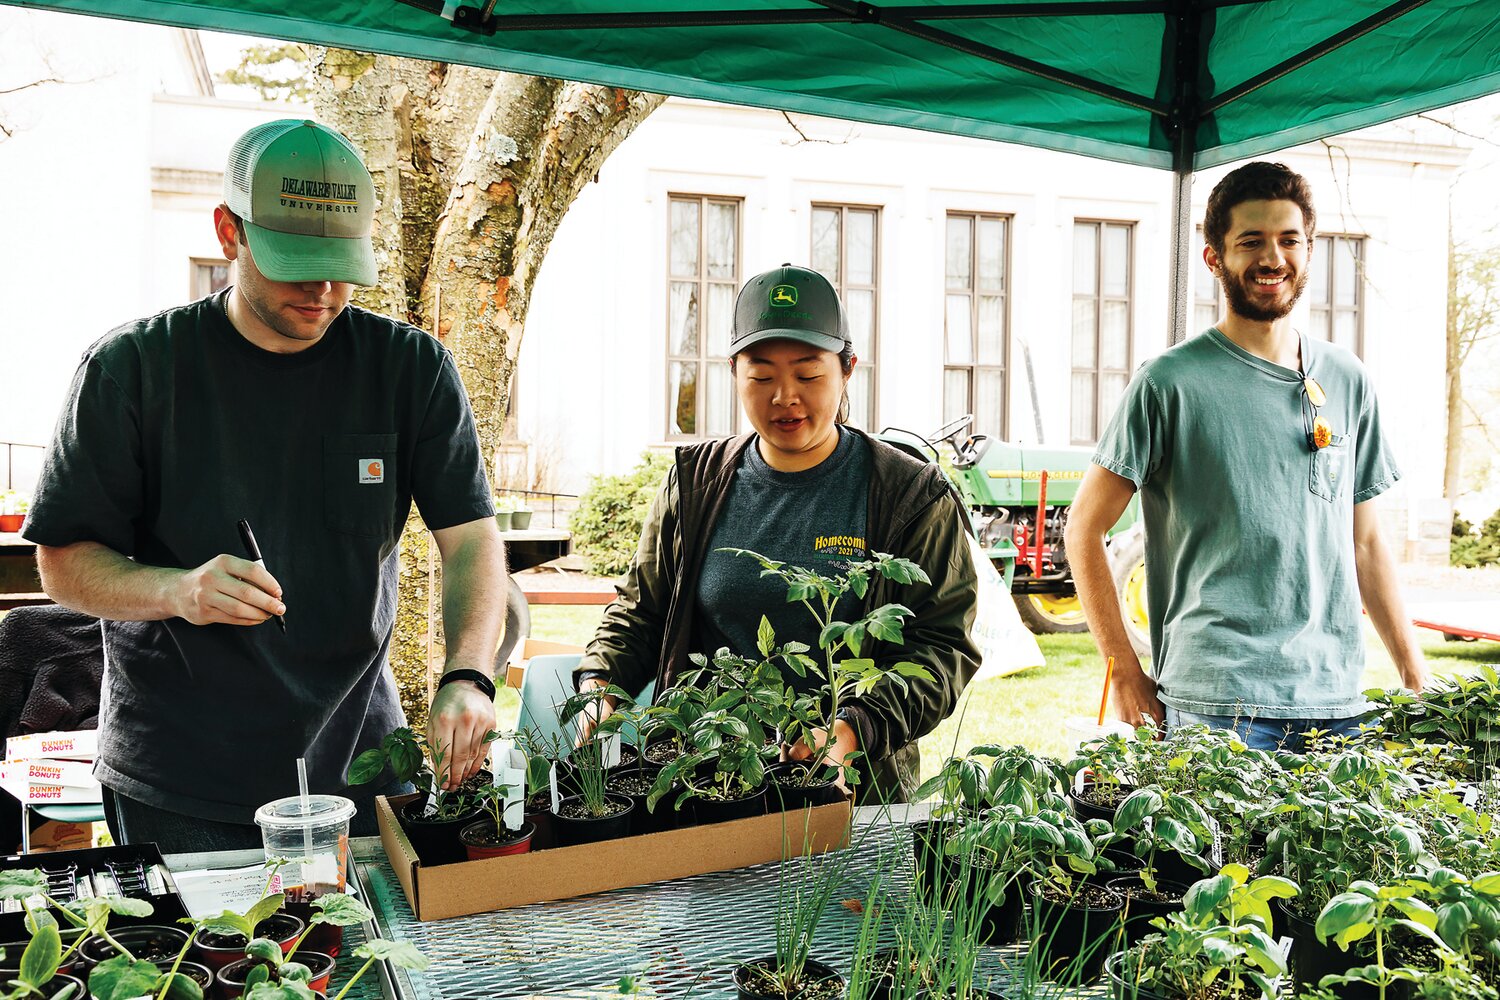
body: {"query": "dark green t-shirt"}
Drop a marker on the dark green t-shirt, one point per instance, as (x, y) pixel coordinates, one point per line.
(814, 519)
(175, 428)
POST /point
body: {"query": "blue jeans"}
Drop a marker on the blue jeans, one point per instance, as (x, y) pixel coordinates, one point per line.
(1266, 734)
(133, 822)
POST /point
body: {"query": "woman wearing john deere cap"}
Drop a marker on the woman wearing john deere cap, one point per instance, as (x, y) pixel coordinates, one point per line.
(805, 489)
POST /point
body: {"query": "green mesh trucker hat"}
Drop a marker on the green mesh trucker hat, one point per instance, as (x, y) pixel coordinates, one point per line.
(792, 302)
(306, 200)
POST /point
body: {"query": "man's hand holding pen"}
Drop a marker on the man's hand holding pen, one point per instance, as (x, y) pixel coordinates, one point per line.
(227, 590)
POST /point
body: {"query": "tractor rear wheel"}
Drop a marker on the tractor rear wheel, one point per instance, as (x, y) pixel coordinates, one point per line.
(1047, 613)
(1127, 560)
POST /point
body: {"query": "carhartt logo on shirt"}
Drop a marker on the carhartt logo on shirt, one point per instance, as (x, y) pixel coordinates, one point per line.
(371, 470)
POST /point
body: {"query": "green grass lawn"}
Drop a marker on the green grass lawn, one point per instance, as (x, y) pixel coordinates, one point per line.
(1028, 707)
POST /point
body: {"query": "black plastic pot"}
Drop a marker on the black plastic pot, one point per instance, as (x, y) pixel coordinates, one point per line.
(1086, 809)
(147, 942)
(1121, 987)
(781, 795)
(435, 840)
(1005, 922)
(1140, 909)
(1072, 939)
(10, 964)
(539, 814)
(571, 830)
(1311, 960)
(200, 974)
(55, 985)
(707, 811)
(642, 818)
(934, 869)
(812, 973)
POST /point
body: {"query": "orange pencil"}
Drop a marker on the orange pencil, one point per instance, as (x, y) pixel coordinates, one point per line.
(1109, 671)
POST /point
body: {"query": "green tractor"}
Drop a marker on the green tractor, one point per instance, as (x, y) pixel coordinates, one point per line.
(1010, 490)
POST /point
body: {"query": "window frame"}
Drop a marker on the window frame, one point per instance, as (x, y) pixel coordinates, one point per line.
(195, 263)
(1331, 307)
(974, 218)
(1099, 298)
(842, 284)
(702, 359)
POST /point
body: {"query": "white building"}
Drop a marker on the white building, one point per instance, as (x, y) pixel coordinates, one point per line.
(1071, 260)
(1021, 284)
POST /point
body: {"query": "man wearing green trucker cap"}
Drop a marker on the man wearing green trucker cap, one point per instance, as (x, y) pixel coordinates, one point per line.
(807, 490)
(278, 404)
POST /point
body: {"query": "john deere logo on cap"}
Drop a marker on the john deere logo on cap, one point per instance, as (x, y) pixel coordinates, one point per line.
(784, 295)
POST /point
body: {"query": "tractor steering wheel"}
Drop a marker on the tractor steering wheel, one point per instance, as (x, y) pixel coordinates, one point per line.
(951, 429)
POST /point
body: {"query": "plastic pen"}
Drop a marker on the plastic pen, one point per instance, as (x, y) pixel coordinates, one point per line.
(248, 538)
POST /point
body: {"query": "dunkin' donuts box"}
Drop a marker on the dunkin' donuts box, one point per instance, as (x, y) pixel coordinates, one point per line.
(63, 782)
(80, 745)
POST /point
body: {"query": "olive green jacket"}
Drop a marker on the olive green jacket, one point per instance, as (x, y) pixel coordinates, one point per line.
(913, 512)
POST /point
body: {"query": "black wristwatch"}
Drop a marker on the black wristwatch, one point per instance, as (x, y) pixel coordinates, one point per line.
(480, 680)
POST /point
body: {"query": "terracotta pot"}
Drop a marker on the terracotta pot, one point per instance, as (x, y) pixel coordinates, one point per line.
(477, 837)
(218, 950)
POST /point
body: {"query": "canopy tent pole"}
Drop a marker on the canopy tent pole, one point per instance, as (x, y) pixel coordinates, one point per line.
(1179, 303)
(1186, 34)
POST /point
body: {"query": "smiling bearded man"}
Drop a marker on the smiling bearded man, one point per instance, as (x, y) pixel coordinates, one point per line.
(1257, 452)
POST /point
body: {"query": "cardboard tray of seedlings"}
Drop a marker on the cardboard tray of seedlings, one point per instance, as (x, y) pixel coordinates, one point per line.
(455, 890)
(135, 870)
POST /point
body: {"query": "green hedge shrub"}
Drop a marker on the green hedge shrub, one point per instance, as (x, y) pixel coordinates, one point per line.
(1475, 548)
(607, 524)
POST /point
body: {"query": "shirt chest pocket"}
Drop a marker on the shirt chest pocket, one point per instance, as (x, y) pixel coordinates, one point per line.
(359, 483)
(1330, 468)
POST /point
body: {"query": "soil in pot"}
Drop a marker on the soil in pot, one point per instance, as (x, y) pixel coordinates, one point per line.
(819, 982)
(1142, 905)
(635, 785)
(791, 785)
(326, 938)
(706, 810)
(661, 753)
(217, 950)
(886, 974)
(573, 824)
(482, 840)
(231, 978)
(1072, 934)
(147, 942)
(434, 837)
(1096, 801)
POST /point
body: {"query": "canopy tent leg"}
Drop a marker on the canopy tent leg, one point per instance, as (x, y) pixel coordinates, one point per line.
(1183, 249)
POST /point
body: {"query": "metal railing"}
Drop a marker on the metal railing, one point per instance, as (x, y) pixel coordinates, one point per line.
(32, 465)
(555, 519)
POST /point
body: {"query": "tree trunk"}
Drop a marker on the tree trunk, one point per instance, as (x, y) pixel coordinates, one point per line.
(473, 171)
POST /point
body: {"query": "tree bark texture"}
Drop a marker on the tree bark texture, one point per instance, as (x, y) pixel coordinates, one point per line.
(473, 171)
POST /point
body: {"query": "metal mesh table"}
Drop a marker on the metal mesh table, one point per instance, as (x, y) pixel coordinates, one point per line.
(680, 938)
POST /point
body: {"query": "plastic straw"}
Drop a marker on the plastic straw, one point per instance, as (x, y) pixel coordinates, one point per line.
(1109, 672)
(306, 806)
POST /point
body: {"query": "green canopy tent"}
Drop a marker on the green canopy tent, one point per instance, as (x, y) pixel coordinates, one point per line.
(1175, 84)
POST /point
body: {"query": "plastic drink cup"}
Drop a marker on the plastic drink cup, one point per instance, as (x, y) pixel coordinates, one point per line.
(319, 840)
(1079, 729)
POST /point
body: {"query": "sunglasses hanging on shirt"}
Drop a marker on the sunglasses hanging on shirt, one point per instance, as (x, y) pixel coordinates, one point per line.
(1319, 432)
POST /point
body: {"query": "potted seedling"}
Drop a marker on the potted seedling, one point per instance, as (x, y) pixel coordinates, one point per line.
(1105, 766)
(36, 969)
(13, 508)
(433, 821)
(266, 960)
(1074, 923)
(225, 941)
(542, 756)
(1173, 837)
(804, 888)
(1218, 947)
(402, 954)
(722, 768)
(1377, 912)
(841, 670)
(491, 837)
(593, 813)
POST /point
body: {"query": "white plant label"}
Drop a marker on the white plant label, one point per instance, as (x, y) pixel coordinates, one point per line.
(509, 769)
(612, 750)
(552, 778)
